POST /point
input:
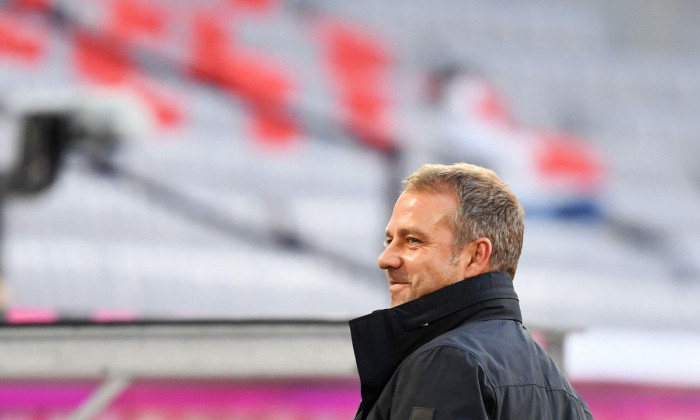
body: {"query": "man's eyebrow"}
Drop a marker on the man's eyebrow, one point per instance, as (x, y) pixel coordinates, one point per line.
(403, 232)
(411, 232)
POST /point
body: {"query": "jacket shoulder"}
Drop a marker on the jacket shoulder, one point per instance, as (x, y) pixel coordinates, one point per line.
(505, 364)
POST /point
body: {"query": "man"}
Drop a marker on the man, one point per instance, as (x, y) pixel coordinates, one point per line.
(453, 346)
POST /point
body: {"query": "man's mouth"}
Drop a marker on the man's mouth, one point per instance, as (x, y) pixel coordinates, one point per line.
(395, 285)
(395, 280)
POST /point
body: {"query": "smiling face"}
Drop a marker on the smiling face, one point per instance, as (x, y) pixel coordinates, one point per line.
(419, 258)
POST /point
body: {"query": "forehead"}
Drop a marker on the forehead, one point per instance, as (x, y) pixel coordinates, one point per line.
(422, 210)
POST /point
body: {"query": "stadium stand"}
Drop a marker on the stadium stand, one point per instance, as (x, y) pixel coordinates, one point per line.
(236, 160)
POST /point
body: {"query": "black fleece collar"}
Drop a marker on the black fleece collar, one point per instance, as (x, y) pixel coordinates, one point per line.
(384, 338)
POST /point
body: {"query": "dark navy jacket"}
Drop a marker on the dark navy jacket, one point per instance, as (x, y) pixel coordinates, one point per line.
(459, 353)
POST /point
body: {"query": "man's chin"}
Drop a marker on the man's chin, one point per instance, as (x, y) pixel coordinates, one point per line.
(400, 294)
(397, 303)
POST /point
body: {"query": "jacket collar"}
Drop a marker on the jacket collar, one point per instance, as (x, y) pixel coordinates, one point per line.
(384, 338)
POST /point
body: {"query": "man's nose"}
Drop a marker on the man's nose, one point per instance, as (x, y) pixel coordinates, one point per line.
(389, 258)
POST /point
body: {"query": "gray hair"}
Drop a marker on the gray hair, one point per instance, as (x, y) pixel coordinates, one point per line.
(487, 209)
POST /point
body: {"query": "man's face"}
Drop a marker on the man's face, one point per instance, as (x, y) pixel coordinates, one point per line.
(418, 257)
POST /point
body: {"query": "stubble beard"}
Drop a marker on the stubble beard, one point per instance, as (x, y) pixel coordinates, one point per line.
(442, 278)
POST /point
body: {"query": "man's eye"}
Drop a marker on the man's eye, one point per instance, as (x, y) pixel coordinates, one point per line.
(387, 242)
(412, 240)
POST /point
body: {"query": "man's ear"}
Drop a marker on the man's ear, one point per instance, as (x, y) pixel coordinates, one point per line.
(478, 257)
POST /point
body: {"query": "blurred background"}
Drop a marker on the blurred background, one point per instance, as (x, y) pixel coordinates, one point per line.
(193, 193)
